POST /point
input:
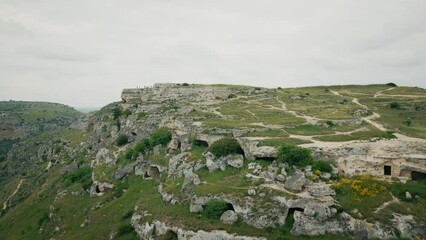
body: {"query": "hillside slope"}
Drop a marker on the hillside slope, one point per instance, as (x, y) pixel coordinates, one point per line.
(180, 161)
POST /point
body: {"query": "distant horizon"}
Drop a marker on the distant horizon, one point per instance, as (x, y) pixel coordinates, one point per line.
(50, 53)
(90, 108)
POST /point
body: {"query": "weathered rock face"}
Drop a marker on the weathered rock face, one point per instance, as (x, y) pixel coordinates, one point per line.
(320, 190)
(253, 152)
(98, 188)
(229, 217)
(296, 182)
(167, 91)
(154, 230)
(122, 172)
(373, 158)
(103, 157)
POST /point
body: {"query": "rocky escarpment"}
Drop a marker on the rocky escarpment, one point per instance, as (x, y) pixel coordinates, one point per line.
(178, 92)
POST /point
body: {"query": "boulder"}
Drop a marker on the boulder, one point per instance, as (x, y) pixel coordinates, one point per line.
(190, 178)
(103, 157)
(122, 172)
(320, 190)
(229, 217)
(295, 182)
(70, 168)
(251, 192)
(195, 208)
(235, 160)
(408, 196)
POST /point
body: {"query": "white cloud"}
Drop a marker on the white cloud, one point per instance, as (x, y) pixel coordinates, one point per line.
(84, 53)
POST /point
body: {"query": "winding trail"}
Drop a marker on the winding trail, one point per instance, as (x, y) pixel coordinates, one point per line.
(384, 205)
(11, 195)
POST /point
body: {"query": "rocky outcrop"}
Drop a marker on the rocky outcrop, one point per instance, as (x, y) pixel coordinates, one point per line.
(165, 91)
(155, 229)
(296, 182)
(229, 217)
(103, 157)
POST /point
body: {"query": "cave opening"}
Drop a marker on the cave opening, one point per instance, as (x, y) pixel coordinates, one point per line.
(201, 143)
(418, 175)
(387, 170)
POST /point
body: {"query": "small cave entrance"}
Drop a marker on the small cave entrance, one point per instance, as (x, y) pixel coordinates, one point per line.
(229, 206)
(418, 175)
(97, 190)
(153, 171)
(134, 134)
(387, 170)
(289, 221)
(201, 143)
(169, 235)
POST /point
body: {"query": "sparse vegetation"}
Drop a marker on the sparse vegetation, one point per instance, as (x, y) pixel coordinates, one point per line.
(121, 140)
(294, 156)
(215, 208)
(82, 175)
(225, 146)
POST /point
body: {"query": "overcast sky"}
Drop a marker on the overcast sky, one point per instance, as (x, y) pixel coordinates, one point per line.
(83, 52)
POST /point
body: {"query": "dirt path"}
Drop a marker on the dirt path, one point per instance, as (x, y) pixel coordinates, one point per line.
(384, 205)
(11, 195)
(303, 194)
(309, 119)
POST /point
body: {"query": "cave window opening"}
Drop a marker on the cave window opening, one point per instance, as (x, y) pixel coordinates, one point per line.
(387, 170)
(201, 143)
(417, 175)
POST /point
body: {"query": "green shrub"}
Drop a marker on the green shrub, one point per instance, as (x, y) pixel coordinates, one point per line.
(408, 122)
(225, 146)
(143, 145)
(119, 189)
(294, 155)
(125, 229)
(394, 105)
(391, 84)
(142, 115)
(321, 166)
(121, 140)
(215, 208)
(83, 175)
(161, 136)
(116, 113)
(127, 112)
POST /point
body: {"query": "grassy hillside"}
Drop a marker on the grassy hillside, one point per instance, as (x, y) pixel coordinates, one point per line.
(37, 143)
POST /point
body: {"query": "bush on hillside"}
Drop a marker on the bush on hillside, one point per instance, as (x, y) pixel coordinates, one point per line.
(294, 155)
(116, 113)
(225, 146)
(391, 84)
(161, 136)
(215, 208)
(82, 175)
(121, 140)
(394, 105)
(321, 166)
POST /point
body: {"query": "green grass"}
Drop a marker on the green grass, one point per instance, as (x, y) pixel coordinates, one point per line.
(361, 135)
(309, 130)
(231, 181)
(267, 133)
(349, 197)
(277, 142)
(399, 189)
(394, 119)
